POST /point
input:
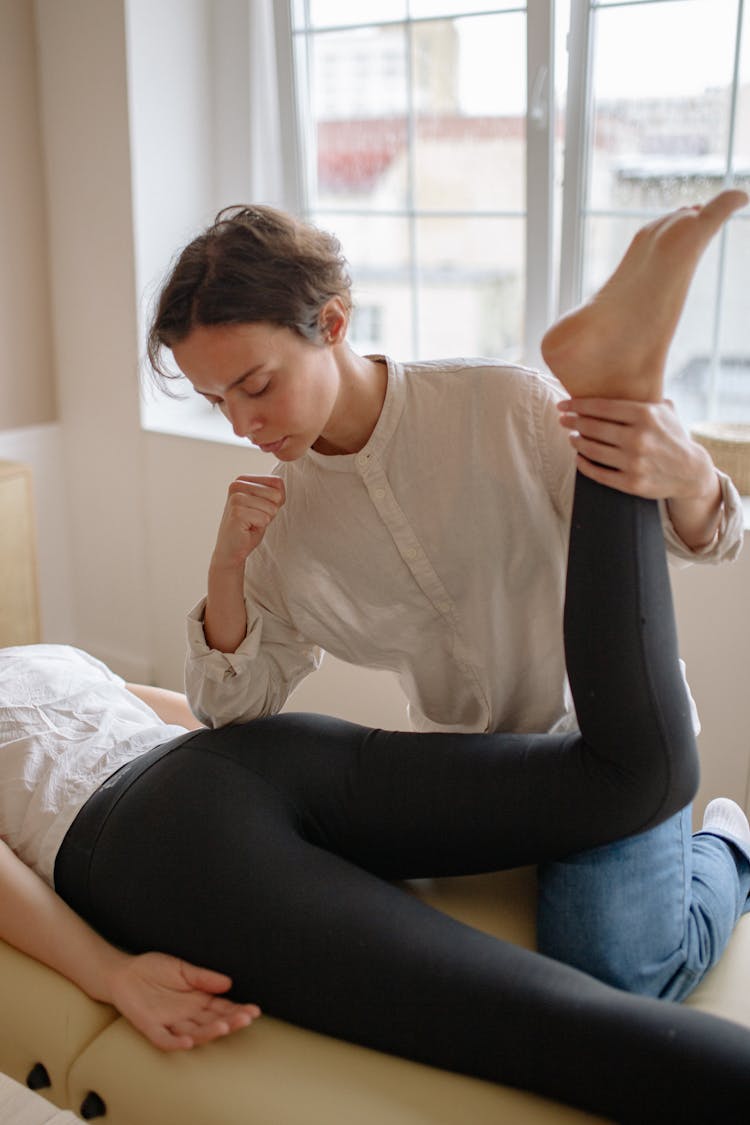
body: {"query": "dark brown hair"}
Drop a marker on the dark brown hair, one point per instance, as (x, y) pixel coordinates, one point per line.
(252, 264)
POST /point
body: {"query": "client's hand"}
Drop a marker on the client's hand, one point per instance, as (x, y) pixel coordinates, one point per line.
(173, 1003)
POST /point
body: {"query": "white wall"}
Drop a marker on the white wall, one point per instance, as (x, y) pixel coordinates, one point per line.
(86, 148)
(41, 447)
(27, 384)
(713, 618)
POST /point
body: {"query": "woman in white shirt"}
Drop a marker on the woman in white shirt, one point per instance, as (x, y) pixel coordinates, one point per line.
(418, 521)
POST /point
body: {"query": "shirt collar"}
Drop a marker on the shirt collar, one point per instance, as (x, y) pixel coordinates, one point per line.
(393, 405)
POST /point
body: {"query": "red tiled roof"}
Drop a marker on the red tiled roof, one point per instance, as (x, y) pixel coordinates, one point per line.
(353, 154)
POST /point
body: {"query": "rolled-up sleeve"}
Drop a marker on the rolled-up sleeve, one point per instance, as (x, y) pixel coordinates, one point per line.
(726, 543)
(558, 468)
(256, 679)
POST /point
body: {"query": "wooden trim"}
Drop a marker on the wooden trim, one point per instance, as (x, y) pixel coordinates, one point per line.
(19, 594)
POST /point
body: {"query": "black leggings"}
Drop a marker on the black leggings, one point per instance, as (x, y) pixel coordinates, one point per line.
(266, 850)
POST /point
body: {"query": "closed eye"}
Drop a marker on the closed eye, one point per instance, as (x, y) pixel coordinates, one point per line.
(258, 391)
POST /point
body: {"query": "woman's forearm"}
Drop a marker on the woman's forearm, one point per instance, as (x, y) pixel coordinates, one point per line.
(225, 619)
(37, 921)
(696, 518)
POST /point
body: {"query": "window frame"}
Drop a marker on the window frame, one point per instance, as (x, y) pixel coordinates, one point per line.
(576, 180)
(540, 172)
(551, 287)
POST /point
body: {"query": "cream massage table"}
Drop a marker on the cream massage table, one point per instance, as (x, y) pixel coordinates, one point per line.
(82, 1056)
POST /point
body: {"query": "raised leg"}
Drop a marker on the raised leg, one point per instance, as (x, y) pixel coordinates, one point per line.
(615, 345)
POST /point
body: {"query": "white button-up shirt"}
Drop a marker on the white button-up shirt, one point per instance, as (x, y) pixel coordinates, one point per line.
(438, 552)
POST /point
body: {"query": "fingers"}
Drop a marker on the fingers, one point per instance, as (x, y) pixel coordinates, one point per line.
(613, 478)
(269, 485)
(167, 1040)
(596, 436)
(209, 981)
(200, 1023)
(267, 492)
(617, 437)
(205, 980)
(207, 1026)
(249, 512)
(252, 503)
(266, 495)
(623, 411)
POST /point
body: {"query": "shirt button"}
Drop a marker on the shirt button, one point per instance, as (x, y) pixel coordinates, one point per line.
(411, 553)
(379, 493)
(362, 459)
(444, 607)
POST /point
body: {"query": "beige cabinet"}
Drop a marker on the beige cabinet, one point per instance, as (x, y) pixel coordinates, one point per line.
(19, 599)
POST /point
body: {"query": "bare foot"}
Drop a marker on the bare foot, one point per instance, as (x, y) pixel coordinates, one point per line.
(615, 345)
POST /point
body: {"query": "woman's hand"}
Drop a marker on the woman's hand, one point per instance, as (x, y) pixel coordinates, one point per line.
(641, 448)
(252, 503)
(174, 1004)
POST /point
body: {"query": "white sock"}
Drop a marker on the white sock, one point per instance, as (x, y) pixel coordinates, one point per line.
(725, 816)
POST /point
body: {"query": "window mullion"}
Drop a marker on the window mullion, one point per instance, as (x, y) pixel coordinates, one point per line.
(411, 130)
(540, 132)
(577, 127)
(713, 376)
(294, 111)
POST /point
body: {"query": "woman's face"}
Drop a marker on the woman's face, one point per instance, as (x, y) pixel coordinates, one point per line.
(275, 388)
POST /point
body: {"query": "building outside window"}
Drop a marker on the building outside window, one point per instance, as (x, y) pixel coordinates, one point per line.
(416, 118)
(485, 164)
(663, 90)
(414, 130)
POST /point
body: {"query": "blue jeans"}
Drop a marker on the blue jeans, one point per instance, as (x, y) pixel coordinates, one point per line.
(650, 914)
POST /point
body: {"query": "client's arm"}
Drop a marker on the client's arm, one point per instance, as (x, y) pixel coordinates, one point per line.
(170, 1001)
(170, 706)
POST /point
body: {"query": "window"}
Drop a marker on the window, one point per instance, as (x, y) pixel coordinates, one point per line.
(366, 328)
(475, 189)
(417, 154)
(418, 129)
(658, 117)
